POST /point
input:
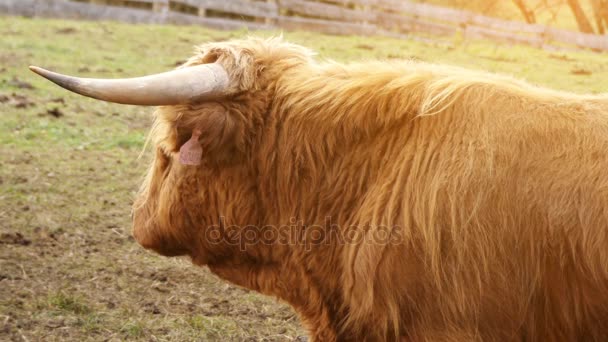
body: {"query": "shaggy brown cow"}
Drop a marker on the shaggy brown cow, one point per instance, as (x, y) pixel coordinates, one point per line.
(385, 200)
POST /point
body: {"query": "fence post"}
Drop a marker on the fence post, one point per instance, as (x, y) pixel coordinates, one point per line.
(367, 9)
(160, 6)
(271, 20)
(202, 12)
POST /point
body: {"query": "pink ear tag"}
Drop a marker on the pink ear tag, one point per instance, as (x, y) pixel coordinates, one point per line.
(191, 152)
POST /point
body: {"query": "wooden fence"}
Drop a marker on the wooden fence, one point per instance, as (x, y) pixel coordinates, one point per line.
(358, 17)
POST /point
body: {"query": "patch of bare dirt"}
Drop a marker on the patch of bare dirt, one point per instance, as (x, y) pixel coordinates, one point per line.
(66, 30)
(17, 100)
(364, 47)
(14, 239)
(219, 38)
(561, 57)
(57, 100)
(500, 59)
(16, 82)
(9, 59)
(55, 112)
(581, 71)
(403, 57)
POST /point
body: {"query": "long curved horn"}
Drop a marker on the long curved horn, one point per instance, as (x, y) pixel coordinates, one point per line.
(181, 86)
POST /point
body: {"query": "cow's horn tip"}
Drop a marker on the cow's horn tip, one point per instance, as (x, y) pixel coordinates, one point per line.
(37, 70)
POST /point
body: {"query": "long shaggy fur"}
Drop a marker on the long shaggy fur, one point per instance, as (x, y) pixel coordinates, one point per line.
(475, 206)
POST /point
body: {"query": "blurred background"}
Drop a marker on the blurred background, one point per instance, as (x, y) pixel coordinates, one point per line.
(540, 23)
(70, 166)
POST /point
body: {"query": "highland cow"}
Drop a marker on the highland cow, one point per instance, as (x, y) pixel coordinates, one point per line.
(384, 201)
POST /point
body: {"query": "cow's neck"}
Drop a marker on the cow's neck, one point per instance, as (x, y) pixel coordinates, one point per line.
(294, 273)
(302, 189)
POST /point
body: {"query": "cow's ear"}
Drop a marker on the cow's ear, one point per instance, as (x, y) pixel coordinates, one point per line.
(216, 125)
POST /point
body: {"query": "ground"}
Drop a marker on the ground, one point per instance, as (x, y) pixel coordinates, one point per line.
(70, 166)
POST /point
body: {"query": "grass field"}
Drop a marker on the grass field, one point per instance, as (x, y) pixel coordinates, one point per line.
(69, 167)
